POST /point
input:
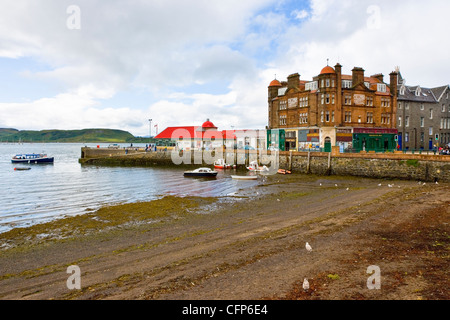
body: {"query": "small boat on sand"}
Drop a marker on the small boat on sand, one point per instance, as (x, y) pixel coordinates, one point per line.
(283, 171)
(201, 172)
(255, 167)
(220, 164)
(244, 177)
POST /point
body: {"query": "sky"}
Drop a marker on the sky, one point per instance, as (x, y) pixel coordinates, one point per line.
(76, 64)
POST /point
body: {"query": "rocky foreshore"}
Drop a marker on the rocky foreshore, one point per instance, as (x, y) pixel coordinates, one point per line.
(250, 246)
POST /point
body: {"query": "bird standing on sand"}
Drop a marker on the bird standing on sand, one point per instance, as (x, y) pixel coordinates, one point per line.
(308, 247)
(305, 285)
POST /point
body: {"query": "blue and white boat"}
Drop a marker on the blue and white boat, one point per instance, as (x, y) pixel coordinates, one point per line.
(32, 158)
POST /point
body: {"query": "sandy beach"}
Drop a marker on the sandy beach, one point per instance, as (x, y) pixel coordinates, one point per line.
(249, 247)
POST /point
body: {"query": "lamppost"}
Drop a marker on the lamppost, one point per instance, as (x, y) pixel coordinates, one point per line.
(150, 126)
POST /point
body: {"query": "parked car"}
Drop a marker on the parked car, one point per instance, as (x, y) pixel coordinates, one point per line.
(114, 146)
(445, 152)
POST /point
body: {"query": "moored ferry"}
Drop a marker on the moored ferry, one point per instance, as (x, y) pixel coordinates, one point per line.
(32, 158)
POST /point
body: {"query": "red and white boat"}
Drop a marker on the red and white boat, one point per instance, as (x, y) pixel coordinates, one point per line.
(255, 167)
(220, 164)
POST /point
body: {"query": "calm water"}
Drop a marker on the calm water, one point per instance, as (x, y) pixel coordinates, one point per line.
(50, 191)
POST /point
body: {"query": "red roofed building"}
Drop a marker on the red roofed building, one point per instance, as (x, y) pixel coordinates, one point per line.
(175, 132)
(197, 137)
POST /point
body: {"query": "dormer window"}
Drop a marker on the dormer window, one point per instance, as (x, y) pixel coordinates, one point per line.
(418, 91)
(381, 87)
(346, 83)
(402, 90)
(311, 86)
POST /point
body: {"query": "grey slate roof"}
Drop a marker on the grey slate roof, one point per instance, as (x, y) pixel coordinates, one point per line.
(439, 91)
(426, 95)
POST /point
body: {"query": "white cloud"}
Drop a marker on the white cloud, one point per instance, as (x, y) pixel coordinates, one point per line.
(408, 35)
(166, 47)
(300, 14)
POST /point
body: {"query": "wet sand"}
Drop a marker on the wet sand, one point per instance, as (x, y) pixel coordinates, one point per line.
(251, 247)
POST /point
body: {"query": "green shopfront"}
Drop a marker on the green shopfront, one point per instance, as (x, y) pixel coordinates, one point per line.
(276, 139)
(378, 140)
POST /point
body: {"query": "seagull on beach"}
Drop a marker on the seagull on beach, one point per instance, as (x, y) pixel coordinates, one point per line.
(308, 247)
(305, 285)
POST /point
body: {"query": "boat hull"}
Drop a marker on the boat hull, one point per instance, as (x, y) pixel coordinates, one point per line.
(244, 177)
(201, 174)
(257, 170)
(22, 169)
(30, 161)
(224, 167)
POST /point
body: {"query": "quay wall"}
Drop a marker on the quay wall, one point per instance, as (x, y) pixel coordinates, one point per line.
(408, 167)
(418, 167)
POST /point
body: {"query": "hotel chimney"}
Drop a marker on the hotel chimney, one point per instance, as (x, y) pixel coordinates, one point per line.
(294, 81)
(357, 76)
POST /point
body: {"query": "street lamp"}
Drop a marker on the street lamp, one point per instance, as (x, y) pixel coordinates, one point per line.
(150, 126)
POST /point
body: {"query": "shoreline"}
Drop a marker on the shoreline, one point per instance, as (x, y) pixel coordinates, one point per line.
(201, 248)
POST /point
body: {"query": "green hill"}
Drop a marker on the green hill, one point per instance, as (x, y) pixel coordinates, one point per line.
(85, 135)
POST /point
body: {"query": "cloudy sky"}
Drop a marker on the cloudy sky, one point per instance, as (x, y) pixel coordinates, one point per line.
(73, 64)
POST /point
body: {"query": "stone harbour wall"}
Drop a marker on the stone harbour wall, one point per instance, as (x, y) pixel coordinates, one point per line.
(429, 168)
(409, 167)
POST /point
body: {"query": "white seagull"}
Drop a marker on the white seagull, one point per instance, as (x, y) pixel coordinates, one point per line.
(308, 247)
(305, 285)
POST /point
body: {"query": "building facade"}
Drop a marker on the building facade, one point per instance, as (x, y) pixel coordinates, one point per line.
(208, 137)
(333, 108)
(423, 118)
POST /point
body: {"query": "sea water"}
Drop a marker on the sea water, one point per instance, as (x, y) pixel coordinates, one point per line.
(66, 188)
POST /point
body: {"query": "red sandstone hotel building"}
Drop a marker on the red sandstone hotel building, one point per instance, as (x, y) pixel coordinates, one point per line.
(332, 107)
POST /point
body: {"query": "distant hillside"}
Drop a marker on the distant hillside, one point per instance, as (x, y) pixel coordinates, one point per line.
(85, 135)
